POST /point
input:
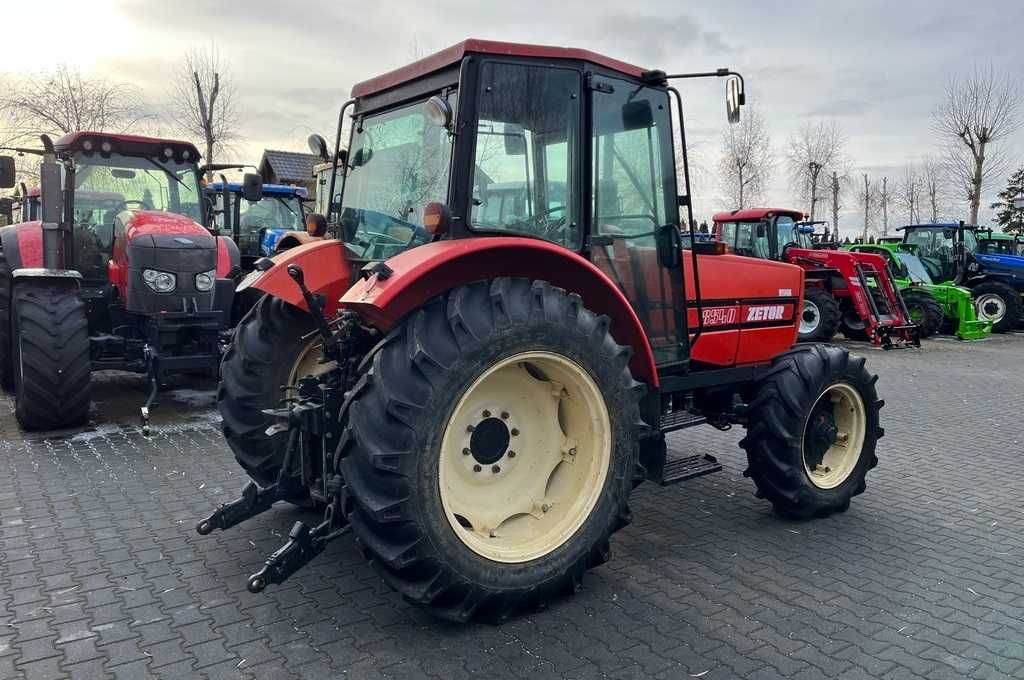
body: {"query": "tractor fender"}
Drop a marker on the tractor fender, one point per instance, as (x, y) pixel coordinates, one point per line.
(22, 245)
(293, 239)
(324, 265)
(415, 276)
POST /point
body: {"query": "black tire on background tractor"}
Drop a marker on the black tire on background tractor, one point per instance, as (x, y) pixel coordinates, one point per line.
(925, 311)
(439, 502)
(51, 362)
(266, 353)
(813, 427)
(6, 372)
(999, 303)
(819, 318)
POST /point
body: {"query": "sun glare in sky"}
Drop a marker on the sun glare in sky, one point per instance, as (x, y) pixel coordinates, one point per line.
(45, 33)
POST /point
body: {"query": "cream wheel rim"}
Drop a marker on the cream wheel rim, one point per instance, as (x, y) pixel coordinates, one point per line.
(524, 457)
(810, 318)
(308, 362)
(836, 429)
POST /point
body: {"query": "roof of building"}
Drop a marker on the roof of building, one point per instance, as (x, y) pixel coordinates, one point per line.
(288, 166)
(455, 53)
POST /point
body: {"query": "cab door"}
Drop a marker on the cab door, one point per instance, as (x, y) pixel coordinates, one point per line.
(633, 188)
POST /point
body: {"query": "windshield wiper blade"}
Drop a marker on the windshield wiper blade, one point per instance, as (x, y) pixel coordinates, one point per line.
(166, 171)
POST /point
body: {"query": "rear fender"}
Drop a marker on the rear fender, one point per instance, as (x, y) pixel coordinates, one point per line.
(424, 272)
(22, 245)
(28, 274)
(324, 266)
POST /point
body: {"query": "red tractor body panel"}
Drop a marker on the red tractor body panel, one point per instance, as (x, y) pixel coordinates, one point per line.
(30, 244)
(426, 271)
(326, 267)
(849, 277)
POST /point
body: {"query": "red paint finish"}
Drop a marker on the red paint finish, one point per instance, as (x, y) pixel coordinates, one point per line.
(159, 223)
(429, 270)
(30, 244)
(754, 215)
(455, 53)
(223, 259)
(326, 270)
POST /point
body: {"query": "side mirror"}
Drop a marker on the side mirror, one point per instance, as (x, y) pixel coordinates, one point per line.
(669, 245)
(515, 140)
(252, 187)
(734, 99)
(637, 115)
(361, 157)
(6, 211)
(316, 225)
(7, 172)
(318, 146)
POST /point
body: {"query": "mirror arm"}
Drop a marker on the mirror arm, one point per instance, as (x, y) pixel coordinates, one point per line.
(334, 164)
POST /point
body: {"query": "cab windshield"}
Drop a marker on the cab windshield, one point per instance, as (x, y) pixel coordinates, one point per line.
(134, 183)
(271, 212)
(398, 163)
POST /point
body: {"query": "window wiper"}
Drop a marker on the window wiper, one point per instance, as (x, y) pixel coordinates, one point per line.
(166, 171)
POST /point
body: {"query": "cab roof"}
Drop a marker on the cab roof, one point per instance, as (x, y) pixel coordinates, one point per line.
(454, 54)
(755, 214)
(271, 189)
(127, 144)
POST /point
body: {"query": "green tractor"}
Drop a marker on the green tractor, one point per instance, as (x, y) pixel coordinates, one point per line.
(934, 307)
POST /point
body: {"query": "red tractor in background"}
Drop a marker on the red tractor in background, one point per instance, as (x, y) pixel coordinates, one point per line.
(842, 290)
(492, 384)
(118, 272)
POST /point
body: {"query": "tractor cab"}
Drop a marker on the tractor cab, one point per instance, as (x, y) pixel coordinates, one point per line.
(260, 228)
(995, 243)
(954, 253)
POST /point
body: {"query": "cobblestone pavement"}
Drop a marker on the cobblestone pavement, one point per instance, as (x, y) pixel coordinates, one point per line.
(102, 574)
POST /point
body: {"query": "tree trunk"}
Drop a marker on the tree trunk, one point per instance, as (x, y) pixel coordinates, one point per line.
(976, 183)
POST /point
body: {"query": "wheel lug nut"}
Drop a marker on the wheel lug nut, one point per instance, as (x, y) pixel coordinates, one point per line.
(466, 452)
(486, 413)
(477, 468)
(469, 428)
(511, 454)
(495, 469)
(515, 432)
(504, 415)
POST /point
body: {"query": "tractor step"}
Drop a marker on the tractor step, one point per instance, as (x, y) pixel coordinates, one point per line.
(687, 467)
(678, 420)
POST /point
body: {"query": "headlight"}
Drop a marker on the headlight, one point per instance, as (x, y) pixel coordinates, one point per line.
(161, 282)
(204, 280)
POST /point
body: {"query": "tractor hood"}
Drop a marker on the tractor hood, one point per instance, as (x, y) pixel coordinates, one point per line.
(1010, 266)
(153, 223)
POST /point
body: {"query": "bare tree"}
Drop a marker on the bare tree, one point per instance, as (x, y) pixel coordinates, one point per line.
(746, 161)
(838, 183)
(934, 184)
(884, 201)
(909, 194)
(867, 200)
(978, 113)
(814, 151)
(64, 101)
(203, 100)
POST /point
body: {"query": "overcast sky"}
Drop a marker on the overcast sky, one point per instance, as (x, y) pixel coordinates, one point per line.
(878, 68)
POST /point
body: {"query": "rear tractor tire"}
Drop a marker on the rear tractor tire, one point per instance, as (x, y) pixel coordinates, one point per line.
(813, 430)
(925, 311)
(51, 362)
(819, 318)
(491, 448)
(999, 303)
(269, 349)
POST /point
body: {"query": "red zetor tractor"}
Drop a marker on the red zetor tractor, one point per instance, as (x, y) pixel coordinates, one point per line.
(851, 291)
(494, 383)
(118, 272)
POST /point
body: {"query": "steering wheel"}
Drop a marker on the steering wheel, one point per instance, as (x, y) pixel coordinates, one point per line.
(786, 247)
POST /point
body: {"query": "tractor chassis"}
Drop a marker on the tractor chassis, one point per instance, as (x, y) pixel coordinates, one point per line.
(156, 348)
(314, 414)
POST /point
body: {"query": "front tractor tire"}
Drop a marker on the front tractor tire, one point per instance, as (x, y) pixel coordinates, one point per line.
(813, 427)
(273, 346)
(925, 311)
(490, 449)
(51, 365)
(819, 318)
